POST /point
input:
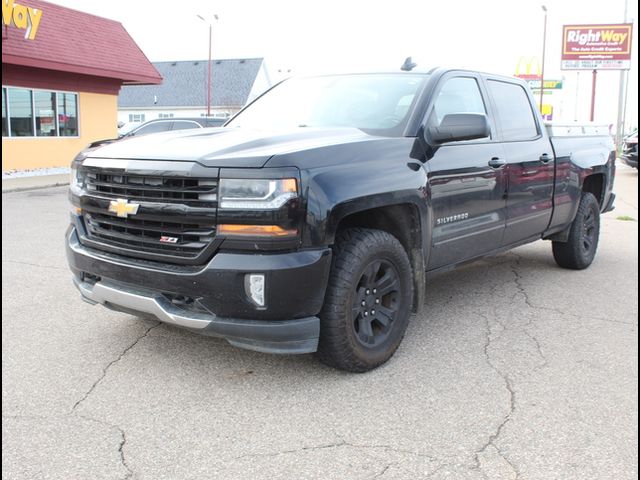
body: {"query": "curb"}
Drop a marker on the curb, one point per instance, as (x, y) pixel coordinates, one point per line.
(22, 184)
(34, 187)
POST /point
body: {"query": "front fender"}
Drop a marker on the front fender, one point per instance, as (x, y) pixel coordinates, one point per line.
(339, 191)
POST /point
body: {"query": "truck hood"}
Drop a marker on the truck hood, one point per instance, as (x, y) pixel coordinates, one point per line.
(226, 147)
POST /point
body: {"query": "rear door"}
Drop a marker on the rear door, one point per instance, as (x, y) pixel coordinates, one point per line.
(530, 161)
(466, 178)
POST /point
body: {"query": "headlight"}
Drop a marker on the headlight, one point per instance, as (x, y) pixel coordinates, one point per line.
(73, 177)
(264, 213)
(250, 194)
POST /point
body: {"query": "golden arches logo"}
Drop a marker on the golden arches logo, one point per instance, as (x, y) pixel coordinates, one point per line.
(532, 68)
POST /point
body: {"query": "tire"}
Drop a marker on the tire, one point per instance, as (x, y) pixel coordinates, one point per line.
(368, 301)
(580, 249)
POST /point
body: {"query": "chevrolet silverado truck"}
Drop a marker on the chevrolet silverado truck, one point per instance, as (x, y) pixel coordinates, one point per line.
(312, 221)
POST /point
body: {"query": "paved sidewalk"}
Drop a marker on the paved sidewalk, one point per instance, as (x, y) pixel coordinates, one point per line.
(33, 182)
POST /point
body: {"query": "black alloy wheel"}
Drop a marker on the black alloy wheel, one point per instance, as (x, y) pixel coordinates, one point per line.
(589, 231)
(375, 304)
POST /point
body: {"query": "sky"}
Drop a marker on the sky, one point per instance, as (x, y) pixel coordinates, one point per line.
(299, 37)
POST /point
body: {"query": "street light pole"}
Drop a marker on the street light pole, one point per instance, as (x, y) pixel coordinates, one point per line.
(622, 93)
(544, 49)
(215, 17)
(209, 76)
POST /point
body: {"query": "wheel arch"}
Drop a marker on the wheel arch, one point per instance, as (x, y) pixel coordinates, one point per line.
(405, 221)
(595, 184)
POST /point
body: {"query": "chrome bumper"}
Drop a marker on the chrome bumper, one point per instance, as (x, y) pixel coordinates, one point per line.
(269, 336)
(158, 306)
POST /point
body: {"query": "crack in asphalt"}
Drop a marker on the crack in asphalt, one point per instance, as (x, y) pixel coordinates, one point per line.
(123, 441)
(296, 450)
(110, 364)
(523, 292)
(341, 443)
(491, 337)
(383, 471)
(491, 441)
(583, 317)
(123, 460)
(33, 264)
(530, 304)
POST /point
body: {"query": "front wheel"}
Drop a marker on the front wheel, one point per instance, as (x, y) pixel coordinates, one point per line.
(368, 301)
(580, 249)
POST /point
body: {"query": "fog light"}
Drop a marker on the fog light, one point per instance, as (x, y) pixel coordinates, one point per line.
(254, 286)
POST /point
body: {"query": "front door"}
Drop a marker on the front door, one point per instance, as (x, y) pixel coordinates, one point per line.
(467, 181)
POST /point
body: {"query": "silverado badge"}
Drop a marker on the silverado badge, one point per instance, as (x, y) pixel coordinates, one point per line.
(122, 208)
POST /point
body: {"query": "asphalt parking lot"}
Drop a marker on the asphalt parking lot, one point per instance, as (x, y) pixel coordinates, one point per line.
(516, 369)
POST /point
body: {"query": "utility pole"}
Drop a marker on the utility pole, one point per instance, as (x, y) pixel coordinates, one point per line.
(621, 93)
(544, 49)
(215, 17)
(209, 76)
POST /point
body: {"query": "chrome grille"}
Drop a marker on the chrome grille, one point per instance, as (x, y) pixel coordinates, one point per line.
(175, 221)
(189, 191)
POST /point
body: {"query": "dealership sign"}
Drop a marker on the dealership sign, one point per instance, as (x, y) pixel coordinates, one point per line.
(19, 16)
(596, 47)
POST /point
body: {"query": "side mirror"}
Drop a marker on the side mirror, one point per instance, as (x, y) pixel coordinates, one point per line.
(457, 127)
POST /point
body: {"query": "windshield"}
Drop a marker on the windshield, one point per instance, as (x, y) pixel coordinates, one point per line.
(378, 104)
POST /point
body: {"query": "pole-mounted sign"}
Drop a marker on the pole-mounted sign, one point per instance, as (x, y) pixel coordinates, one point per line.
(596, 47)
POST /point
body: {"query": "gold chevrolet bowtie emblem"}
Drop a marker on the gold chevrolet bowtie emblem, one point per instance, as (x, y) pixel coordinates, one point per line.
(122, 208)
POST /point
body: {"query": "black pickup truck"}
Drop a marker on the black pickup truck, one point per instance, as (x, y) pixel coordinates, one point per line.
(312, 220)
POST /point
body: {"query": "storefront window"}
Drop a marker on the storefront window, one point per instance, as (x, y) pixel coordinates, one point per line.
(136, 117)
(67, 114)
(21, 112)
(55, 113)
(5, 130)
(45, 105)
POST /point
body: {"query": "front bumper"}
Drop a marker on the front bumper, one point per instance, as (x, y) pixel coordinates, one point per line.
(218, 306)
(609, 207)
(631, 160)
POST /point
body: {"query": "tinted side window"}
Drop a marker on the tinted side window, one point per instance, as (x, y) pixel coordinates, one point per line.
(214, 122)
(458, 95)
(182, 125)
(153, 128)
(514, 111)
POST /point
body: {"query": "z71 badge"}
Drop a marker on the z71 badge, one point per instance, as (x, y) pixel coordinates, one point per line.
(164, 239)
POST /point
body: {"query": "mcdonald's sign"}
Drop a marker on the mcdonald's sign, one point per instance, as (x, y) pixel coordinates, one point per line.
(529, 68)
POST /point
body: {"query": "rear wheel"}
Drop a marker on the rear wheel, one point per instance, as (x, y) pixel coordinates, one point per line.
(368, 301)
(580, 249)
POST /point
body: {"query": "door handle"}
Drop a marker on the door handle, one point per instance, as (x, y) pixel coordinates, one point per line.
(545, 158)
(496, 162)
